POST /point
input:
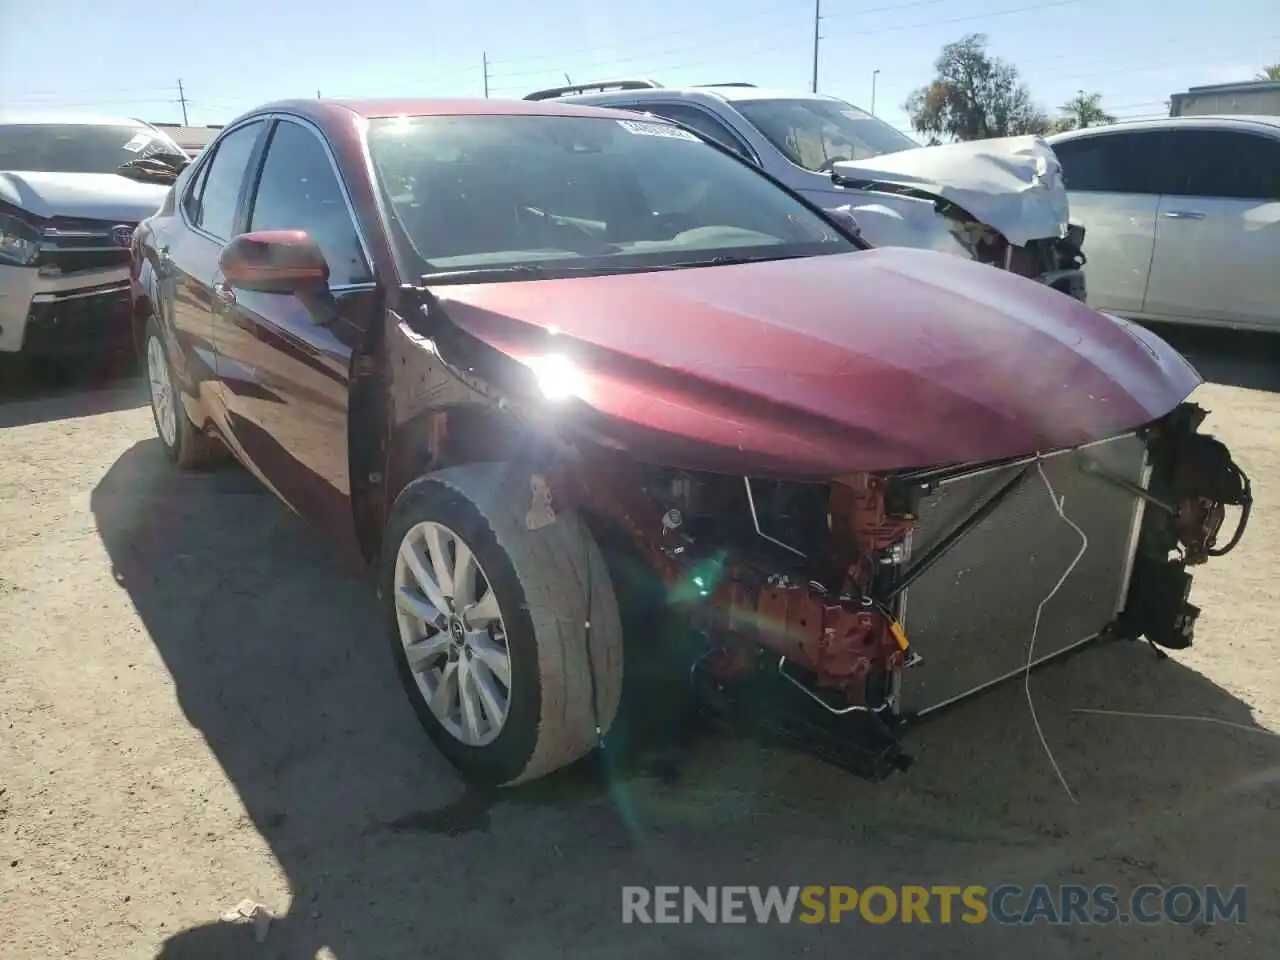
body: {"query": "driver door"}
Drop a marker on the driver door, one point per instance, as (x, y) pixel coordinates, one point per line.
(284, 359)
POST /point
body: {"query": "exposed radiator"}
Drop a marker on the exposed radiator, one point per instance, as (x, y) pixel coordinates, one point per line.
(970, 616)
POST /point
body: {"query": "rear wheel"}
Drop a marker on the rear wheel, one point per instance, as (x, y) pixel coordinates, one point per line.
(184, 444)
(507, 639)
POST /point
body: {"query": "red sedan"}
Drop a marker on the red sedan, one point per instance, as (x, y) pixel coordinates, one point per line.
(573, 378)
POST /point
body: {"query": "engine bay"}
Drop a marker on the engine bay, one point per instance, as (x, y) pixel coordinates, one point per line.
(807, 580)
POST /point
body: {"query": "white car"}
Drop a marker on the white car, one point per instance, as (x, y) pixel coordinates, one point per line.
(998, 201)
(72, 190)
(1183, 217)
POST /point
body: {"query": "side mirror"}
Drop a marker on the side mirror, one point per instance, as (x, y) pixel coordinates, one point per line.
(275, 261)
(845, 219)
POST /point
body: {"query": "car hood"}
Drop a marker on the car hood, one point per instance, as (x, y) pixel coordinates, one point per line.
(1013, 184)
(874, 360)
(88, 196)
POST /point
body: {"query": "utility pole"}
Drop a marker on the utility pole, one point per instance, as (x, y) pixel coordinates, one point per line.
(873, 91)
(817, 18)
(318, 94)
(182, 99)
(484, 60)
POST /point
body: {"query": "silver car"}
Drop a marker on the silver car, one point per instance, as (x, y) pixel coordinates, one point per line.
(1183, 215)
(72, 189)
(999, 201)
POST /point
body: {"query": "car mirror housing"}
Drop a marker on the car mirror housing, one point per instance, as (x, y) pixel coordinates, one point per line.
(275, 261)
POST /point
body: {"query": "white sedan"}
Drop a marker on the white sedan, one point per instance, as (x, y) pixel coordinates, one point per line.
(1182, 217)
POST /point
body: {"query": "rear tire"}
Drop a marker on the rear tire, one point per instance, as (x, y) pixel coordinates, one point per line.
(556, 695)
(184, 443)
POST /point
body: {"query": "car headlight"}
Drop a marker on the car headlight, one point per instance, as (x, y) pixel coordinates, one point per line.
(558, 377)
(19, 242)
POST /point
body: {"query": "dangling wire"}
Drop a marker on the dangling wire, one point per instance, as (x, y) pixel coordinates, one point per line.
(1035, 628)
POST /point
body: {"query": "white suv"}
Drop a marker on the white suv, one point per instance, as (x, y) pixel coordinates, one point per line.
(997, 201)
(72, 189)
(1183, 216)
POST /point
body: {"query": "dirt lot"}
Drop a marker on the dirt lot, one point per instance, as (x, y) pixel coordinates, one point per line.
(196, 708)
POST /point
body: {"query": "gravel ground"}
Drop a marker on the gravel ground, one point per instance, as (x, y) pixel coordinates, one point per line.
(196, 707)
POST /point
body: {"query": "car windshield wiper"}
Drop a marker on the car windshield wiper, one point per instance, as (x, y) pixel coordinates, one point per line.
(156, 168)
(526, 271)
(724, 261)
(531, 271)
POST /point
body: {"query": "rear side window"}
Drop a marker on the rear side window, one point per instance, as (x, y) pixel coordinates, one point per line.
(701, 122)
(298, 190)
(1223, 163)
(1112, 163)
(220, 194)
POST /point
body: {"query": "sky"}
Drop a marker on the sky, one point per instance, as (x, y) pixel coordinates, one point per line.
(128, 59)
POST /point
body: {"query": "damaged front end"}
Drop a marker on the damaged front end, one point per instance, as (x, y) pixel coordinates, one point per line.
(832, 614)
(1001, 202)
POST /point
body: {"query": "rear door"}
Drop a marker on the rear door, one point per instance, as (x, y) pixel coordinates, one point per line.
(1217, 250)
(1113, 185)
(286, 359)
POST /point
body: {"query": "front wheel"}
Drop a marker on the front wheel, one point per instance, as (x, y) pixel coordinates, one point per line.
(507, 639)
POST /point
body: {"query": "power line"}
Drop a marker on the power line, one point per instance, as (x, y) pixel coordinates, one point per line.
(977, 16)
(633, 41)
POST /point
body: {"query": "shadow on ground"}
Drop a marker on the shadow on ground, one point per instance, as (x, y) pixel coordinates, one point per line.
(1229, 357)
(33, 392)
(278, 661)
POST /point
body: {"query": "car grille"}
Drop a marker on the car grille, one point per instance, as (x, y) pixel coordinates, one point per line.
(84, 321)
(76, 246)
(971, 615)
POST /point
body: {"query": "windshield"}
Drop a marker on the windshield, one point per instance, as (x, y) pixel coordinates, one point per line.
(815, 134)
(578, 194)
(78, 147)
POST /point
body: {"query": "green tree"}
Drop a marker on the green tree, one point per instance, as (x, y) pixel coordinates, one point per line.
(1269, 73)
(1082, 110)
(974, 96)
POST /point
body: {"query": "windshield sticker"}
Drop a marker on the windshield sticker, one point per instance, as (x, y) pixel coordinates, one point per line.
(138, 142)
(646, 129)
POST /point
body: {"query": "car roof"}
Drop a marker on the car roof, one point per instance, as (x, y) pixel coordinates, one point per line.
(729, 93)
(85, 119)
(379, 109)
(1257, 122)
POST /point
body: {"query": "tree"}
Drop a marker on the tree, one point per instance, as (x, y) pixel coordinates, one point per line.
(1082, 110)
(974, 96)
(1269, 73)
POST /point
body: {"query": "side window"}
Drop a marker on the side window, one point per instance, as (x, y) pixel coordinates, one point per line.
(299, 190)
(1224, 163)
(191, 199)
(1112, 163)
(221, 189)
(701, 122)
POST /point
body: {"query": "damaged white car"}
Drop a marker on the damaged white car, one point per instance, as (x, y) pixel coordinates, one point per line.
(999, 201)
(72, 190)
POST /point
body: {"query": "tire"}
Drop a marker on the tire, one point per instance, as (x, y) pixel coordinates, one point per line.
(557, 694)
(184, 443)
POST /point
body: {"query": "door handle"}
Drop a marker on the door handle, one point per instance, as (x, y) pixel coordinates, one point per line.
(223, 296)
(1183, 215)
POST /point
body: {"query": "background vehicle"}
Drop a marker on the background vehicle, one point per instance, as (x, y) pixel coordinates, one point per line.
(639, 384)
(72, 189)
(997, 201)
(1183, 216)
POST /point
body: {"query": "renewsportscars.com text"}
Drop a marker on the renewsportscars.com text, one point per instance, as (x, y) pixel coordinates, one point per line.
(1005, 904)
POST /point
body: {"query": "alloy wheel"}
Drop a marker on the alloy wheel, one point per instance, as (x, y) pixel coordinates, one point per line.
(453, 633)
(162, 398)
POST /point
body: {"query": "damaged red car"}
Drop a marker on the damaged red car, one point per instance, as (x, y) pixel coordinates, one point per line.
(575, 381)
